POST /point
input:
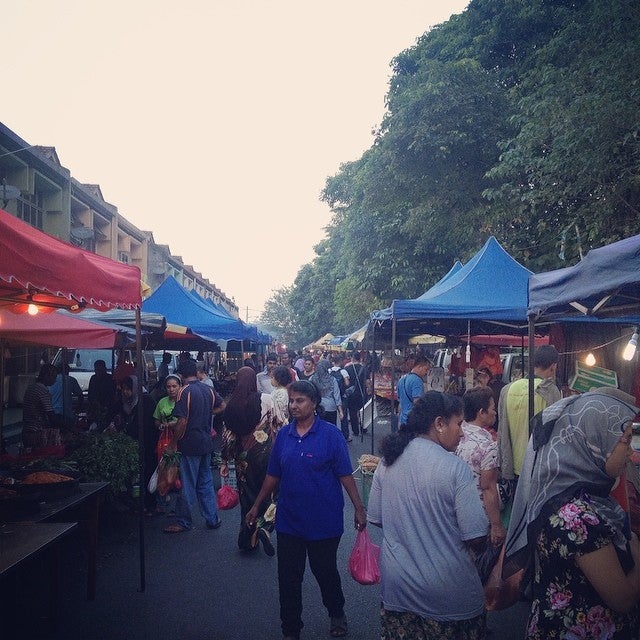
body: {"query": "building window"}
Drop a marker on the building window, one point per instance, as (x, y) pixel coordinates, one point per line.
(29, 209)
(123, 257)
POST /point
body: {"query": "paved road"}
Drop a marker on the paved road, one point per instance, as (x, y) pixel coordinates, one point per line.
(199, 587)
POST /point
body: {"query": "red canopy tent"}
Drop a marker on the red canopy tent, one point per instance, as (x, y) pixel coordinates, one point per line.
(37, 268)
(57, 330)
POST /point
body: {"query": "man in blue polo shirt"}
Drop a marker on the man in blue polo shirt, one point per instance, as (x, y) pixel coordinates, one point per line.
(310, 463)
(194, 409)
(411, 387)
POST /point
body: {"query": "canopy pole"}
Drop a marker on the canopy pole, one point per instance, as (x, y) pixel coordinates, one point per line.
(530, 365)
(393, 365)
(65, 382)
(373, 389)
(141, 469)
(3, 346)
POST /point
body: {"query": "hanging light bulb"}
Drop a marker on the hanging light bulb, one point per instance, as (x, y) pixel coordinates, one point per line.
(32, 309)
(630, 349)
(590, 360)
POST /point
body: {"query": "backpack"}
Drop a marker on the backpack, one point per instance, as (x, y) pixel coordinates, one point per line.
(337, 374)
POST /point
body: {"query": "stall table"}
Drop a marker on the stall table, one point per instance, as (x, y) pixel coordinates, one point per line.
(19, 543)
(83, 507)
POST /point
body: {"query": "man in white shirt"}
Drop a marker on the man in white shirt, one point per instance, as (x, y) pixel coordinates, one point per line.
(263, 379)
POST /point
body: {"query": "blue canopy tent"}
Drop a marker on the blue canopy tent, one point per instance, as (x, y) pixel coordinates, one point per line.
(179, 307)
(487, 295)
(386, 314)
(603, 288)
(250, 331)
(605, 283)
(490, 291)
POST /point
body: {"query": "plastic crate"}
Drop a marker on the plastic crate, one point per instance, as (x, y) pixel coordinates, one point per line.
(231, 478)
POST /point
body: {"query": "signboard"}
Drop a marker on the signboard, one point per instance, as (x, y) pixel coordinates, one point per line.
(587, 378)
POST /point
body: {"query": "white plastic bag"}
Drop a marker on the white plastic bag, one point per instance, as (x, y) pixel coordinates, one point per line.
(153, 482)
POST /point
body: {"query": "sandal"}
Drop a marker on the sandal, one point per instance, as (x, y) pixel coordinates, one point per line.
(174, 528)
(338, 628)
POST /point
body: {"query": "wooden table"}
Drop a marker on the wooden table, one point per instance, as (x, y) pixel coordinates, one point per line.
(83, 507)
(19, 543)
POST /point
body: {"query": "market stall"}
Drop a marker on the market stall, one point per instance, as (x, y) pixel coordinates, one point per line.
(600, 297)
(39, 273)
(487, 295)
(179, 307)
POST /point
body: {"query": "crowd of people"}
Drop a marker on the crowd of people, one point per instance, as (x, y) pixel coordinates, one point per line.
(482, 483)
(464, 482)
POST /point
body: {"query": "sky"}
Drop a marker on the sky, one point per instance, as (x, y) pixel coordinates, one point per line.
(214, 124)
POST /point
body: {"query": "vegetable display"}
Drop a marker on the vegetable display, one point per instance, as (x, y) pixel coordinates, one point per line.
(110, 458)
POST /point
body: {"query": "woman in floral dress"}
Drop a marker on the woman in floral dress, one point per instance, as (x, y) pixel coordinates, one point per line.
(251, 424)
(586, 582)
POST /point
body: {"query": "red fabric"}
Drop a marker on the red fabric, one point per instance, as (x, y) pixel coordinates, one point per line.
(57, 272)
(505, 340)
(490, 358)
(636, 386)
(56, 330)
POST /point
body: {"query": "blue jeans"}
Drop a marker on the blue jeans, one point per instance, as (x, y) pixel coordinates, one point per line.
(197, 483)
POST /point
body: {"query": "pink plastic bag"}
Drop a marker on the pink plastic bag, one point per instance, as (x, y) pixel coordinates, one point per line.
(363, 561)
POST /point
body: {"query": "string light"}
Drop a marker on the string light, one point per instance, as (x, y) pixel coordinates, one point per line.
(32, 309)
(630, 349)
(590, 360)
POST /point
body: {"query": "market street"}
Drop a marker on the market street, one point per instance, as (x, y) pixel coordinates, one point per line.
(200, 587)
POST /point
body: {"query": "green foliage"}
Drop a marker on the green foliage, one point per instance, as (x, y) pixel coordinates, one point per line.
(109, 458)
(513, 119)
(353, 305)
(278, 317)
(574, 159)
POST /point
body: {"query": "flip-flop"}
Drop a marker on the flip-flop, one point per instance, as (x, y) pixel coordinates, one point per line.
(338, 628)
(174, 528)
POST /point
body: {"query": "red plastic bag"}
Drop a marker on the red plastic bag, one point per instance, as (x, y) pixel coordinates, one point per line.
(163, 442)
(228, 497)
(363, 561)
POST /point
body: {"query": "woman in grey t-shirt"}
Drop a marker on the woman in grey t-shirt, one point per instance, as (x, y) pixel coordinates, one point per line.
(425, 499)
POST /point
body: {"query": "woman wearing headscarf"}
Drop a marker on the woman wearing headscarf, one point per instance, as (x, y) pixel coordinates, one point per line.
(426, 500)
(329, 391)
(586, 581)
(125, 418)
(251, 423)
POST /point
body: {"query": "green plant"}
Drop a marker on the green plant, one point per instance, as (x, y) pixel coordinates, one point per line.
(109, 458)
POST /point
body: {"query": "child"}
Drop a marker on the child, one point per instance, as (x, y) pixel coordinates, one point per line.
(280, 379)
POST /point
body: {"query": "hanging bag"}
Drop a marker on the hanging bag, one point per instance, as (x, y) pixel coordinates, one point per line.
(153, 481)
(363, 561)
(502, 593)
(163, 442)
(228, 497)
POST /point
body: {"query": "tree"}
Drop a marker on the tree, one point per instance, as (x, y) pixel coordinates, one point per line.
(278, 316)
(573, 164)
(513, 119)
(353, 305)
